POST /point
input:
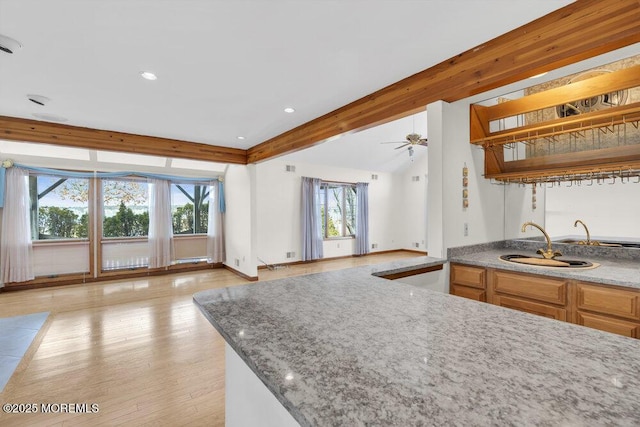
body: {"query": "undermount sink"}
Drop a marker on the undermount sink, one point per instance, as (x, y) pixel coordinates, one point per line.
(543, 262)
(606, 243)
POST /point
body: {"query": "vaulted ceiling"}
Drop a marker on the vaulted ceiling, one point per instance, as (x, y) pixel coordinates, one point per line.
(228, 68)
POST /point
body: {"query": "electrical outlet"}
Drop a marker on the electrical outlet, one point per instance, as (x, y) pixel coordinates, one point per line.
(374, 246)
(466, 229)
(291, 254)
(416, 244)
(237, 262)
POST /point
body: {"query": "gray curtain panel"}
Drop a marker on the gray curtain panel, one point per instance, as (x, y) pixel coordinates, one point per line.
(311, 222)
(362, 219)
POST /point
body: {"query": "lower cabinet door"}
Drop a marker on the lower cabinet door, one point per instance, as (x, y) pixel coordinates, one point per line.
(531, 307)
(608, 324)
(467, 292)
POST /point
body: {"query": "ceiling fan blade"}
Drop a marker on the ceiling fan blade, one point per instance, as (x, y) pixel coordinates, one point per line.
(423, 142)
(402, 146)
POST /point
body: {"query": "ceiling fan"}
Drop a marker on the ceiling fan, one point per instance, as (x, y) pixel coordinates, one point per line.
(412, 139)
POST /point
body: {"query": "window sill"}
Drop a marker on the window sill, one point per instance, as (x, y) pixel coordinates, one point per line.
(60, 242)
(330, 239)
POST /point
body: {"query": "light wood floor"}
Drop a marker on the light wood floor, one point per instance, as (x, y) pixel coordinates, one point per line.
(139, 348)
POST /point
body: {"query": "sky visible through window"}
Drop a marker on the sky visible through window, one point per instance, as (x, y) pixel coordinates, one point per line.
(55, 198)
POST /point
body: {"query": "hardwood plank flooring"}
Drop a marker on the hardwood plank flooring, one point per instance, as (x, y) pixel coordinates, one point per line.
(139, 349)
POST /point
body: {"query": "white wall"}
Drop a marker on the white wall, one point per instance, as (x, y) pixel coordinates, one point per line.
(449, 133)
(60, 258)
(609, 210)
(394, 221)
(413, 215)
(239, 184)
(519, 209)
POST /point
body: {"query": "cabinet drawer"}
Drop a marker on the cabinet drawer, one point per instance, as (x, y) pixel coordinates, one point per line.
(531, 307)
(534, 287)
(608, 324)
(602, 299)
(467, 292)
(468, 276)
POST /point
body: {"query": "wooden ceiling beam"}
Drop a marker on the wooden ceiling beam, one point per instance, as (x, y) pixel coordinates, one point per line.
(581, 30)
(24, 130)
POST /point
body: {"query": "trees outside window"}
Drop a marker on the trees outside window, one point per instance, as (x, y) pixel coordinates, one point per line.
(338, 210)
(57, 210)
(125, 207)
(189, 208)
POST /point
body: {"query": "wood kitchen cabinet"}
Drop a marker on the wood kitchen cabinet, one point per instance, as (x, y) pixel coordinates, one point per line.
(533, 294)
(608, 308)
(468, 282)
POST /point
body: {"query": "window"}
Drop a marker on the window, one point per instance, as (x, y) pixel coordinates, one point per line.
(338, 210)
(189, 208)
(125, 207)
(59, 207)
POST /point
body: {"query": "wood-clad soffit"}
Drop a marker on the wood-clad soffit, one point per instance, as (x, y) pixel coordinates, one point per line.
(581, 30)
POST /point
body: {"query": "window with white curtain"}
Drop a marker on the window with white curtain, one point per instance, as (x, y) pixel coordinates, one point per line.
(59, 207)
(189, 208)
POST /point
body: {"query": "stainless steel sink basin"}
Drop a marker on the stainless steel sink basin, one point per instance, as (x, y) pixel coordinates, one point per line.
(606, 243)
(542, 262)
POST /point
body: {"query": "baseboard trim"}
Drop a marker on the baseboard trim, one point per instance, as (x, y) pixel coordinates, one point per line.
(78, 279)
(241, 274)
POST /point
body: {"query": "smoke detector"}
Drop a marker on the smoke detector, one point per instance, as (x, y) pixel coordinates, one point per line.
(38, 99)
(9, 45)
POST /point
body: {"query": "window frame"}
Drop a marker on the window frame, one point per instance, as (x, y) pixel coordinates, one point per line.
(65, 240)
(100, 206)
(324, 194)
(208, 199)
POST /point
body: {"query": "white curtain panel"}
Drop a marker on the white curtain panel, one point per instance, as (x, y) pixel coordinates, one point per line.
(160, 227)
(311, 219)
(362, 219)
(16, 251)
(215, 230)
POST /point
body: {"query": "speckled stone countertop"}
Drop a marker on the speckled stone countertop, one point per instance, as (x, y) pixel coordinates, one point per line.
(369, 351)
(618, 266)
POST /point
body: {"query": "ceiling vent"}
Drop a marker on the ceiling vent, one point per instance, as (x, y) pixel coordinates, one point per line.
(38, 99)
(9, 45)
(594, 103)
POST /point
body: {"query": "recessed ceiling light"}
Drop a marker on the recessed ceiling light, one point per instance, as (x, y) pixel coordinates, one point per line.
(240, 137)
(289, 110)
(148, 75)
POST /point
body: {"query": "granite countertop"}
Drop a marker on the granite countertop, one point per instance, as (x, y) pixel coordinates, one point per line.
(369, 351)
(617, 266)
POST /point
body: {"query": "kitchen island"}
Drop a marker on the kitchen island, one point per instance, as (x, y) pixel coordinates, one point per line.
(349, 348)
